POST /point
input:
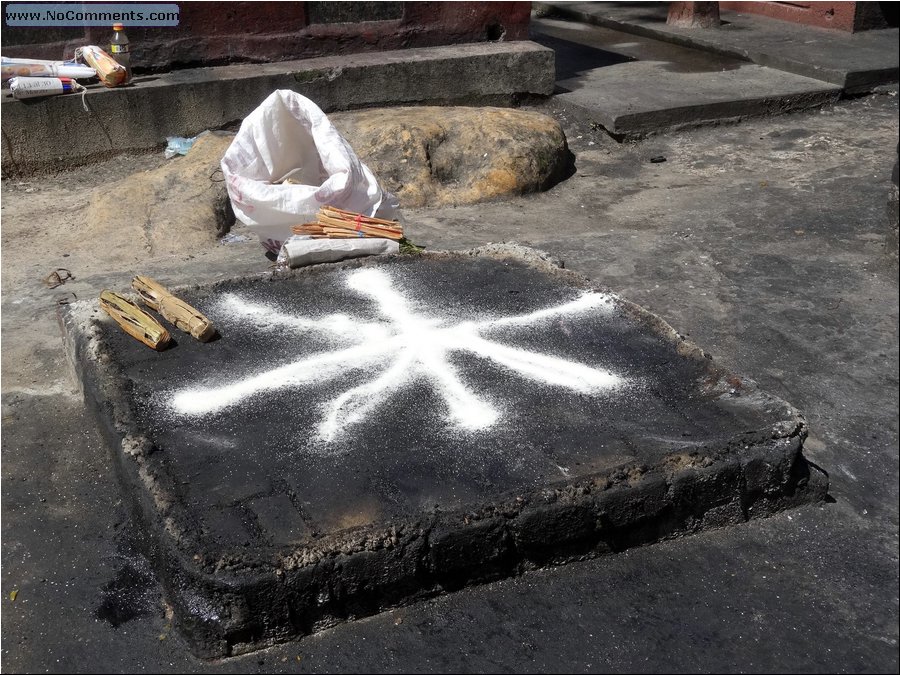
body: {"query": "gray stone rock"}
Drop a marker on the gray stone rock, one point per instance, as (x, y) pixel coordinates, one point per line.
(442, 156)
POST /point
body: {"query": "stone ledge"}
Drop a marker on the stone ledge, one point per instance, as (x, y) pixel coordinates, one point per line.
(856, 62)
(54, 133)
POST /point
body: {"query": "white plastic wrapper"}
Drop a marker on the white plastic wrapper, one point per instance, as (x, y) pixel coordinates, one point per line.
(300, 251)
(10, 67)
(286, 161)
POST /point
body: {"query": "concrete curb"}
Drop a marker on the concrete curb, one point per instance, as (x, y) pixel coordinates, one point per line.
(855, 62)
(55, 133)
(243, 602)
(639, 124)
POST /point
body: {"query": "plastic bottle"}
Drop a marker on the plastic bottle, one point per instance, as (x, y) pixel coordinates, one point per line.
(119, 49)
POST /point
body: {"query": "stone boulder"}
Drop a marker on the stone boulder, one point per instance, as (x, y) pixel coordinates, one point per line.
(175, 208)
(444, 156)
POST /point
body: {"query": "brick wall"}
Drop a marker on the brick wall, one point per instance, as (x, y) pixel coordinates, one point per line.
(257, 32)
(846, 16)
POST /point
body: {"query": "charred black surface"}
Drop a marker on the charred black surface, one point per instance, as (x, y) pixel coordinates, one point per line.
(260, 531)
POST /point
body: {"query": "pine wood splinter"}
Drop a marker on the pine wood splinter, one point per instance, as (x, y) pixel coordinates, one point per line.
(134, 321)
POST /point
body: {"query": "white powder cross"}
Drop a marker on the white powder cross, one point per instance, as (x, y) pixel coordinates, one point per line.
(405, 347)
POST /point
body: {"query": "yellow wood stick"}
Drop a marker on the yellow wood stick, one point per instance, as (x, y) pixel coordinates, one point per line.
(186, 318)
(353, 215)
(134, 321)
(328, 221)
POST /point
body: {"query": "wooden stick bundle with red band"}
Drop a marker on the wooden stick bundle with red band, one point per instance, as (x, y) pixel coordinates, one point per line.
(335, 223)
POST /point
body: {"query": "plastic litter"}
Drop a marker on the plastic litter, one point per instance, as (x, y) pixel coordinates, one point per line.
(177, 145)
(286, 161)
(299, 251)
(58, 277)
(232, 238)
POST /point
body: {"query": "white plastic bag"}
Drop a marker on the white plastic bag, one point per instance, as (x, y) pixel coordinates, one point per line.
(289, 137)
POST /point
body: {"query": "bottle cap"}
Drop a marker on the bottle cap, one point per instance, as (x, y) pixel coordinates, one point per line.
(118, 26)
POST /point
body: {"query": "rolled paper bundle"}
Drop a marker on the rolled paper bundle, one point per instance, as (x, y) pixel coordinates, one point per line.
(10, 68)
(109, 71)
(299, 253)
(32, 87)
(17, 61)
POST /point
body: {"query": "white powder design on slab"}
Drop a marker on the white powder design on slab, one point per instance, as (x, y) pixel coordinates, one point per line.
(339, 325)
(601, 302)
(407, 346)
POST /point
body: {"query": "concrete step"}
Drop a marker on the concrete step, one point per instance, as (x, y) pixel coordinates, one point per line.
(856, 62)
(633, 86)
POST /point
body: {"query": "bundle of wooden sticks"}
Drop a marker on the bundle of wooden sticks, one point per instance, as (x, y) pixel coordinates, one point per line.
(334, 223)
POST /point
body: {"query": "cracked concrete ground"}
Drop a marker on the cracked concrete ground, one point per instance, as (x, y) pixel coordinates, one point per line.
(763, 242)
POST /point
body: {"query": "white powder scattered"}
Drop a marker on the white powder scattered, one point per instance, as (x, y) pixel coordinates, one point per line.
(548, 370)
(405, 347)
(267, 318)
(319, 368)
(601, 302)
(357, 402)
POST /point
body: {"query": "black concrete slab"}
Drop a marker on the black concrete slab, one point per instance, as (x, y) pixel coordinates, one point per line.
(857, 62)
(363, 434)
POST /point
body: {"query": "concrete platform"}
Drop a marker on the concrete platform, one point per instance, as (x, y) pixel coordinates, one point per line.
(856, 62)
(364, 434)
(55, 133)
(639, 86)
